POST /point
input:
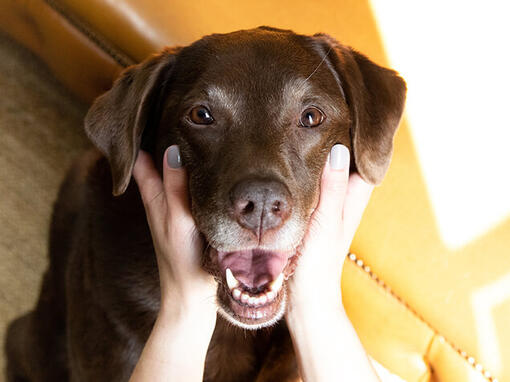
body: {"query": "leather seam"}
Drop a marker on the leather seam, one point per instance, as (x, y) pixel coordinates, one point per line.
(98, 40)
(436, 334)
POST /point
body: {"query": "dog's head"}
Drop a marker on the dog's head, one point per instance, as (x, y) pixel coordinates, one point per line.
(255, 114)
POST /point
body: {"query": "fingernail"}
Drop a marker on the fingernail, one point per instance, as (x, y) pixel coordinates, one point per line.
(173, 157)
(339, 157)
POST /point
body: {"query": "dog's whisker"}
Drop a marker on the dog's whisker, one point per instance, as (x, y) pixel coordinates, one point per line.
(318, 66)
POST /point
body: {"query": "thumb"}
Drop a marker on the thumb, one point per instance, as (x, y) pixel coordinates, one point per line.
(333, 187)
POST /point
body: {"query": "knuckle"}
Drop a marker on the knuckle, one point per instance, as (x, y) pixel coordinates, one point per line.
(336, 186)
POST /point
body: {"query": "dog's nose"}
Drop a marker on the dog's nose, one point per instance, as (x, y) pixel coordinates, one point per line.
(260, 205)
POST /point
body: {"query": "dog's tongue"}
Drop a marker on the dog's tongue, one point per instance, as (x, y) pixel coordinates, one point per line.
(254, 268)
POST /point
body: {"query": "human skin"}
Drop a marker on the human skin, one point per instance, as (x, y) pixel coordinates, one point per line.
(178, 343)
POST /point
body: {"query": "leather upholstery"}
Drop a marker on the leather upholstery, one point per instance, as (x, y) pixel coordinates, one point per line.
(79, 63)
(413, 307)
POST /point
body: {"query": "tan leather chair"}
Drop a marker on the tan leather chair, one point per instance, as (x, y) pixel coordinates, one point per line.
(407, 294)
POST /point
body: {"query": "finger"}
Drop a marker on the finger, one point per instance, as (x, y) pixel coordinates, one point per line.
(175, 181)
(147, 178)
(333, 186)
(356, 200)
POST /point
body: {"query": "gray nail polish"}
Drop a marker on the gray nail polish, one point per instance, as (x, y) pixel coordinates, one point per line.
(174, 157)
(339, 157)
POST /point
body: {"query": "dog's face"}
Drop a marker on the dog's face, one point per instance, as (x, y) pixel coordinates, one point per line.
(255, 114)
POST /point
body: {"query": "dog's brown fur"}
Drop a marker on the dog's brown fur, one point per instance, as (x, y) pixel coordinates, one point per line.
(100, 295)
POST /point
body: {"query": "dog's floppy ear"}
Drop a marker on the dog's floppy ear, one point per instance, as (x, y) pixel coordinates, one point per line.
(117, 119)
(376, 98)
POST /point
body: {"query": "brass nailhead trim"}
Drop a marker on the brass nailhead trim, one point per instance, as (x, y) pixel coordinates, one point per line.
(470, 360)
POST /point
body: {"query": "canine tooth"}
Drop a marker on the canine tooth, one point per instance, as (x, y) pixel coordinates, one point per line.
(277, 284)
(270, 295)
(244, 298)
(236, 293)
(231, 280)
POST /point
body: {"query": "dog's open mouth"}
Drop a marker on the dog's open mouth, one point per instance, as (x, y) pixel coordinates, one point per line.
(252, 293)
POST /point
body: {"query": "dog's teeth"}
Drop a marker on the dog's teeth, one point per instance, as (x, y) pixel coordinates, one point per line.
(257, 300)
(231, 280)
(277, 284)
(257, 315)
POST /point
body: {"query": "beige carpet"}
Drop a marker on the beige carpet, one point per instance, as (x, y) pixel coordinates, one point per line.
(40, 134)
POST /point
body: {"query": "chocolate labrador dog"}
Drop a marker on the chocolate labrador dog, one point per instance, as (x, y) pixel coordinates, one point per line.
(255, 114)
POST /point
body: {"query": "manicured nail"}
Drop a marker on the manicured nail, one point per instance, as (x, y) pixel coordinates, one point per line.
(339, 157)
(173, 157)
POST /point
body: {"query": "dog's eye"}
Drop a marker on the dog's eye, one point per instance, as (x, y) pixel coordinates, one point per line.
(201, 115)
(311, 117)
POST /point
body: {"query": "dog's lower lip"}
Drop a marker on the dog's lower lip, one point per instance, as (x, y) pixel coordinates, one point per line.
(252, 313)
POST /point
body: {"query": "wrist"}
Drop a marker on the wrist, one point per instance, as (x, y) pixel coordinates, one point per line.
(331, 354)
(177, 346)
(196, 321)
(310, 316)
(192, 298)
(315, 297)
(188, 309)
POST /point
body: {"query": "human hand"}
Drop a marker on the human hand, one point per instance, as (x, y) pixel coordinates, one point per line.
(177, 242)
(316, 282)
(177, 346)
(326, 345)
